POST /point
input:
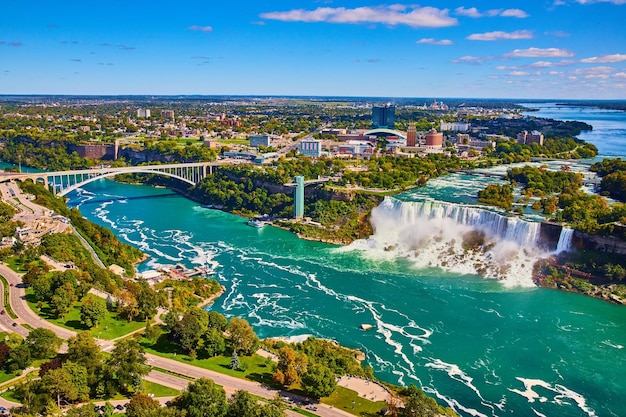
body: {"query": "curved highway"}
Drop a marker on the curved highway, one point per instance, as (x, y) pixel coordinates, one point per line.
(230, 384)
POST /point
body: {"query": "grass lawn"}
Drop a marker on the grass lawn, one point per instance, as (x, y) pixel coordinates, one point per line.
(15, 264)
(110, 328)
(349, 401)
(7, 304)
(236, 141)
(4, 376)
(159, 390)
(255, 367)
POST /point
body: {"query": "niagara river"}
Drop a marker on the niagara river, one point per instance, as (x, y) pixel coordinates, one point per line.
(484, 346)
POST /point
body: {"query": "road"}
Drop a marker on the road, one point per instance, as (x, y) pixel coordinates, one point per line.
(230, 384)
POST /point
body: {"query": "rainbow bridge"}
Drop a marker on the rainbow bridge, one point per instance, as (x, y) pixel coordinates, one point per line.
(64, 182)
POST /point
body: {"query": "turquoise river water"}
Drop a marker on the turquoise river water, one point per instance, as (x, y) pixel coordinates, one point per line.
(485, 347)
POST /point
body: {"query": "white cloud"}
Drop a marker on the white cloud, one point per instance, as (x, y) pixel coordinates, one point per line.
(520, 14)
(620, 75)
(469, 59)
(541, 64)
(540, 53)
(506, 68)
(471, 12)
(519, 73)
(595, 72)
(389, 15)
(604, 59)
(499, 35)
(433, 41)
(200, 28)
(475, 13)
(601, 1)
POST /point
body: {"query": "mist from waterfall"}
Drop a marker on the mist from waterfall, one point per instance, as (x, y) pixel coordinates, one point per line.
(458, 238)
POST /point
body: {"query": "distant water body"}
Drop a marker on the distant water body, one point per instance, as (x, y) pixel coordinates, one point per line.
(476, 344)
(609, 126)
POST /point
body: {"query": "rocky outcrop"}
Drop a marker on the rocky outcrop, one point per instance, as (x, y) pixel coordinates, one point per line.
(610, 244)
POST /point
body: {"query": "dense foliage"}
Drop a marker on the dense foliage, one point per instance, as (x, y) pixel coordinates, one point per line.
(82, 374)
(497, 195)
(7, 226)
(510, 151)
(241, 196)
(540, 181)
(390, 172)
(613, 173)
(43, 153)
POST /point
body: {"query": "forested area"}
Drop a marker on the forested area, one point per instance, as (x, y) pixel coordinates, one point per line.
(43, 153)
(241, 197)
(613, 173)
(509, 151)
(497, 195)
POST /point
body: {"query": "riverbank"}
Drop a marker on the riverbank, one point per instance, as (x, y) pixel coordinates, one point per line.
(555, 274)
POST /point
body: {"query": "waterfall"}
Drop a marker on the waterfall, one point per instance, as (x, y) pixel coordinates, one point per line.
(565, 240)
(458, 238)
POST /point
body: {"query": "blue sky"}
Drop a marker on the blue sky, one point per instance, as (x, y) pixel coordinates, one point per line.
(469, 48)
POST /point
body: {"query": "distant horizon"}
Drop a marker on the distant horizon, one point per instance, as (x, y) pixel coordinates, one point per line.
(298, 96)
(549, 50)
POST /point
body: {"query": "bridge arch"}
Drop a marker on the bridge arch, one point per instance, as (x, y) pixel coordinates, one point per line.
(73, 187)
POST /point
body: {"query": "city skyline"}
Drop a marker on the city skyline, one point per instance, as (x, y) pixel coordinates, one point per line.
(568, 49)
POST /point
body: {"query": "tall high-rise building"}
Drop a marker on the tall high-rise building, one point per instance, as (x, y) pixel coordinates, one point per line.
(384, 116)
(167, 114)
(527, 138)
(411, 135)
(143, 113)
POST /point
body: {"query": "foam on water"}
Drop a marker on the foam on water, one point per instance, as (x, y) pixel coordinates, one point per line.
(460, 239)
(454, 372)
(562, 393)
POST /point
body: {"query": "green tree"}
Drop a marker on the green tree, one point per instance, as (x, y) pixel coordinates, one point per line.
(152, 333)
(189, 330)
(127, 364)
(79, 377)
(217, 321)
(87, 410)
(141, 405)
(58, 383)
(213, 342)
(319, 381)
(19, 357)
(43, 343)
(417, 404)
(242, 336)
(83, 349)
(243, 404)
(93, 310)
(234, 361)
(62, 300)
(202, 398)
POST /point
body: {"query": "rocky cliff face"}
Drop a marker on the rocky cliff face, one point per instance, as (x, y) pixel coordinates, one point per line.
(609, 244)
